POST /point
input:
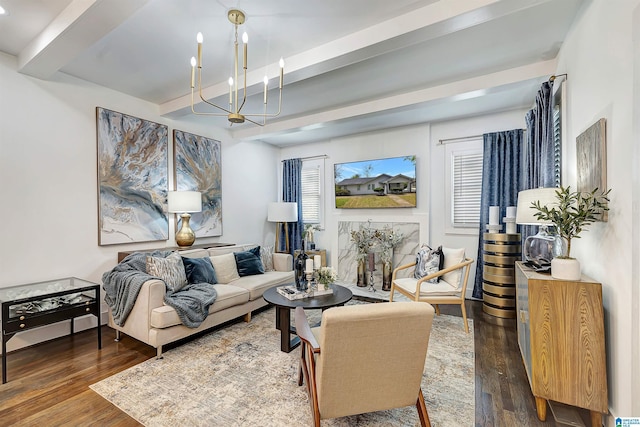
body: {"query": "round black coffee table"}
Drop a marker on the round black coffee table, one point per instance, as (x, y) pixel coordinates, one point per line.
(340, 296)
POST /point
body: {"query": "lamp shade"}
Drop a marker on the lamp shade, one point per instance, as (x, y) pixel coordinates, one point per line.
(282, 212)
(525, 213)
(184, 201)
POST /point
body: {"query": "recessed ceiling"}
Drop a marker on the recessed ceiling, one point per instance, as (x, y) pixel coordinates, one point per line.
(351, 66)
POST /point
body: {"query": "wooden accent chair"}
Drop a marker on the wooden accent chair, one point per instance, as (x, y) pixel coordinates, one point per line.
(450, 289)
(365, 358)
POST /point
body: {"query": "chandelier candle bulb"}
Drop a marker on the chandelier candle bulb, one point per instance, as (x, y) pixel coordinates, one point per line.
(266, 82)
(281, 71)
(245, 40)
(494, 215)
(193, 72)
(199, 38)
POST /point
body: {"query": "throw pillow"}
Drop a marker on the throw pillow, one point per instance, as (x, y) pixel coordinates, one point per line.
(451, 258)
(248, 262)
(199, 270)
(225, 267)
(428, 262)
(170, 270)
(266, 255)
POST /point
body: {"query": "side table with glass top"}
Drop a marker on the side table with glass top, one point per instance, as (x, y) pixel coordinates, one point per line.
(30, 306)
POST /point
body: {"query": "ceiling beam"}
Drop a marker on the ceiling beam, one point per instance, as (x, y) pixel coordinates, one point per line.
(459, 90)
(77, 27)
(432, 21)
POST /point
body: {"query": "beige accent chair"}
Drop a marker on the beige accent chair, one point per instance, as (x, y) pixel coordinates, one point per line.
(450, 289)
(365, 358)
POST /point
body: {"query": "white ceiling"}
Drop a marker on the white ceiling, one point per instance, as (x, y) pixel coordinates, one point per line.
(351, 65)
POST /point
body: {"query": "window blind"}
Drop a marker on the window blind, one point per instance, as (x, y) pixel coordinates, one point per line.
(557, 145)
(311, 195)
(467, 189)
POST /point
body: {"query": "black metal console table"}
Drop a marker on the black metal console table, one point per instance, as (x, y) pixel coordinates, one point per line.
(33, 305)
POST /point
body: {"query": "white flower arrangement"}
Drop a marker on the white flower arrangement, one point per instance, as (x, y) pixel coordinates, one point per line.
(327, 275)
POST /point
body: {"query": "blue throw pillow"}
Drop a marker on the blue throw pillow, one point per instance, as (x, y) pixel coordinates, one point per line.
(249, 262)
(199, 270)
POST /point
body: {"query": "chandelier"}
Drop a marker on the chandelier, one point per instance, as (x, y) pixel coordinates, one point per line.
(234, 112)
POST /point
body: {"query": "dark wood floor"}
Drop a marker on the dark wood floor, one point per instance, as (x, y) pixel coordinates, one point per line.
(49, 382)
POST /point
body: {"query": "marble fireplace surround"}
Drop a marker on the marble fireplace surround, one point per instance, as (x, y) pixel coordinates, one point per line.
(414, 229)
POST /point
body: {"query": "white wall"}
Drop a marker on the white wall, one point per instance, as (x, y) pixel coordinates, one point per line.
(406, 141)
(598, 57)
(49, 190)
(438, 190)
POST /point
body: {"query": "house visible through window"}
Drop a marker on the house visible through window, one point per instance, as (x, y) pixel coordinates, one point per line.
(464, 173)
(311, 192)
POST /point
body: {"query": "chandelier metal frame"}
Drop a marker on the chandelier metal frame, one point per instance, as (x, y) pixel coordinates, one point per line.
(234, 112)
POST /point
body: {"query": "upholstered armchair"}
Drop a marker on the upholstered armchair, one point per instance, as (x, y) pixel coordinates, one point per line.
(450, 289)
(365, 358)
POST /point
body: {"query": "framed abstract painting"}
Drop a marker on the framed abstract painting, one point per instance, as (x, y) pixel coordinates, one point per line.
(591, 157)
(197, 168)
(132, 179)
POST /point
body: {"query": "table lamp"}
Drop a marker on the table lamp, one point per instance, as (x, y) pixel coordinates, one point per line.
(544, 246)
(282, 213)
(184, 202)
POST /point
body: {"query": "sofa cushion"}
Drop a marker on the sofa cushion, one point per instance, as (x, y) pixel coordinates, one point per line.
(228, 296)
(169, 269)
(249, 262)
(256, 285)
(451, 258)
(428, 289)
(199, 270)
(225, 267)
(266, 255)
(193, 253)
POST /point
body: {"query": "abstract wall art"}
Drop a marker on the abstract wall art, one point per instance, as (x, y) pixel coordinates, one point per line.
(197, 168)
(591, 156)
(132, 179)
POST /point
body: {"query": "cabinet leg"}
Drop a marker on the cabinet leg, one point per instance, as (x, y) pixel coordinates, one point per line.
(541, 408)
(596, 419)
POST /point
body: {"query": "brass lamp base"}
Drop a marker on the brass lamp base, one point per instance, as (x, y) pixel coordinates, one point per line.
(185, 236)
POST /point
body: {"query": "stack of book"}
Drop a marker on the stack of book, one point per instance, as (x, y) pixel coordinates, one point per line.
(290, 292)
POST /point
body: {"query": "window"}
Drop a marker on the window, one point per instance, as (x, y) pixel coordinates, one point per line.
(558, 112)
(464, 173)
(311, 192)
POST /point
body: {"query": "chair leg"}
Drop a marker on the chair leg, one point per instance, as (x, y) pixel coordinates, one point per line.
(422, 411)
(391, 292)
(464, 317)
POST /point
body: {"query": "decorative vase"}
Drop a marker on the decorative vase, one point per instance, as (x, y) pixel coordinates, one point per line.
(565, 269)
(386, 276)
(362, 274)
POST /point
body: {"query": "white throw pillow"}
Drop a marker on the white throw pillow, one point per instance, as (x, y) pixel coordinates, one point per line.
(451, 258)
(225, 267)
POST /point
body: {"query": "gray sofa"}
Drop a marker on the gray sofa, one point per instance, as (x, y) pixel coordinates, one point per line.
(157, 324)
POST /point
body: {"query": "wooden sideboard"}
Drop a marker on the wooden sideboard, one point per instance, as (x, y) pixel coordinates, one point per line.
(122, 255)
(561, 338)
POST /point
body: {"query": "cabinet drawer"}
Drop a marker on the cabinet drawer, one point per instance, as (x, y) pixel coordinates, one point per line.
(26, 322)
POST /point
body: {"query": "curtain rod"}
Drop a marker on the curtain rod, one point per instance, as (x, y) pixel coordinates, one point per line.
(460, 139)
(321, 156)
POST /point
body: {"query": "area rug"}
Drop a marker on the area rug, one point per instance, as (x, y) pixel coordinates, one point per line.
(237, 376)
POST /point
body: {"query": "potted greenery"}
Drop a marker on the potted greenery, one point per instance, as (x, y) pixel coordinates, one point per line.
(573, 213)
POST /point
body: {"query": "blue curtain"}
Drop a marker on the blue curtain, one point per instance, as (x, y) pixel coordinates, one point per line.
(501, 178)
(538, 161)
(292, 192)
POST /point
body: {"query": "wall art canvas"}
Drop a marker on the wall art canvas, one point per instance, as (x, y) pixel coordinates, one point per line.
(591, 154)
(197, 168)
(132, 179)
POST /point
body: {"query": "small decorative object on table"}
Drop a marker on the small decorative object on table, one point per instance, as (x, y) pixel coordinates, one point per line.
(308, 235)
(326, 276)
(300, 266)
